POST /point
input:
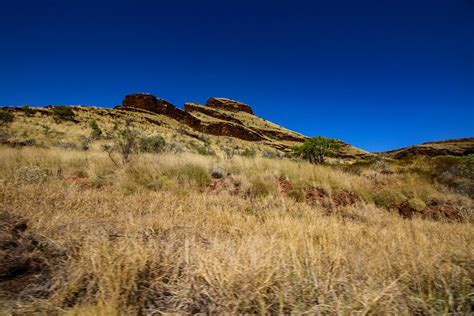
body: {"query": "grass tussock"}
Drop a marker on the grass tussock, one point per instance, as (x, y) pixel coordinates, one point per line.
(151, 236)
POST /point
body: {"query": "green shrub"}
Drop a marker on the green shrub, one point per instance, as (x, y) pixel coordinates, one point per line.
(152, 144)
(316, 149)
(204, 150)
(28, 111)
(63, 113)
(416, 204)
(386, 197)
(248, 153)
(455, 172)
(6, 117)
(96, 131)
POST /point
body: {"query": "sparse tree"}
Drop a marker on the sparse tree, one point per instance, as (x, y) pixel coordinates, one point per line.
(27, 110)
(316, 149)
(152, 144)
(126, 142)
(63, 113)
(96, 131)
(6, 118)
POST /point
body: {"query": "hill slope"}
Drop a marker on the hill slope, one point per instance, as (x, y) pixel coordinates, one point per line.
(222, 126)
(452, 147)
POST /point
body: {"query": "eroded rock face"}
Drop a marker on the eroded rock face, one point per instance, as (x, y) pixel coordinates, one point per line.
(146, 102)
(150, 103)
(194, 107)
(153, 104)
(232, 130)
(282, 136)
(228, 105)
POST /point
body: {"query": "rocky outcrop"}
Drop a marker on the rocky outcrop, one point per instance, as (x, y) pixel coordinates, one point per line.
(451, 147)
(228, 105)
(153, 104)
(429, 151)
(282, 136)
(232, 130)
(194, 107)
(149, 103)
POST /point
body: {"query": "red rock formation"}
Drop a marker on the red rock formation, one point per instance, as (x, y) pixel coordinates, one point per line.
(153, 104)
(231, 129)
(194, 107)
(282, 136)
(228, 105)
(150, 103)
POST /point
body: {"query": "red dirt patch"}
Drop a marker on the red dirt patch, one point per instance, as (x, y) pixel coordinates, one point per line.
(229, 184)
(285, 184)
(434, 210)
(438, 211)
(345, 198)
(79, 181)
(317, 196)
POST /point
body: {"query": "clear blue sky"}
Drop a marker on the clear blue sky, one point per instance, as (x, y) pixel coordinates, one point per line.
(378, 74)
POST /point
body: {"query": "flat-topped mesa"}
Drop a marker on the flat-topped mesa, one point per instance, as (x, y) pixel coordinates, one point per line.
(228, 105)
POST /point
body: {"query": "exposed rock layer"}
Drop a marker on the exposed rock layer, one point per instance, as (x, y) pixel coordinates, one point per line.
(228, 105)
(159, 106)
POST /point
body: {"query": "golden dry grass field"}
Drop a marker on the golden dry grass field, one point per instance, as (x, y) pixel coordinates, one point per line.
(179, 232)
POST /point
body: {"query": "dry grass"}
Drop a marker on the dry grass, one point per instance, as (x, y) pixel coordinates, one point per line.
(148, 238)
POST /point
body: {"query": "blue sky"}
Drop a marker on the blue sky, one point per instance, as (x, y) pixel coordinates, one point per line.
(377, 74)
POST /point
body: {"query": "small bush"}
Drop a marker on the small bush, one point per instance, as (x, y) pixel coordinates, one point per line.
(203, 150)
(387, 197)
(455, 172)
(28, 142)
(297, 193)
(195, 174)
(261, 187)
(416, 204)
(153, 144)
(96, 131)
(248, 153)
(27, 110)
(31, 174)
(126, 142)
(63, 113)
(6, 117)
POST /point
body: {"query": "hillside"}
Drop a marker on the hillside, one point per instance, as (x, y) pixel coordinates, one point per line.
(450, 147)
(148, 209)
(223, 127)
